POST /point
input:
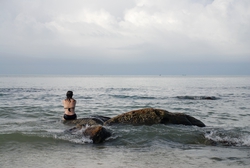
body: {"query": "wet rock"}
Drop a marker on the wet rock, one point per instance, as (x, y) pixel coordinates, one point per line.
(150, 116)
(96, 133)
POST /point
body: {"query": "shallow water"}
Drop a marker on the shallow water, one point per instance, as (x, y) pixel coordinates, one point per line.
(32, 134)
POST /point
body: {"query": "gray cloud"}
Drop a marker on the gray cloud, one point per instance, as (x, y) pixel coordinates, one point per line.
(131, 32)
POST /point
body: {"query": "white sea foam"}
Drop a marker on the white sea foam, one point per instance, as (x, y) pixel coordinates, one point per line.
(228, 138)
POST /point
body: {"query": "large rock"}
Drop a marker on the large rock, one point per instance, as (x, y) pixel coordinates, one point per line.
(149, 116)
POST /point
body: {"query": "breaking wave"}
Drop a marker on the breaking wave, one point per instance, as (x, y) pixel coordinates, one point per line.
(228, 137)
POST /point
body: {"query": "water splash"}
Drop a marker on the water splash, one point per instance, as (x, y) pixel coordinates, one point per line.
(228, 138)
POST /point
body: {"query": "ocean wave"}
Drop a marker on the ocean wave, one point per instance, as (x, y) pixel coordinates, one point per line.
(75, 136)
(197, 97)
(132, 97)
(169, 135)
(178, 135)
(20, 90)
(244, 87)
(24, 137)
(140, 136)
(1, 94)
(44, 137)
(228, 137)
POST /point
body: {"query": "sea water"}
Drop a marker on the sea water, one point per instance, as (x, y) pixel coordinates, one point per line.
(32, 134)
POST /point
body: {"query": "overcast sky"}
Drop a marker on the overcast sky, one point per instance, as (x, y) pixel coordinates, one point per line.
(125, 37)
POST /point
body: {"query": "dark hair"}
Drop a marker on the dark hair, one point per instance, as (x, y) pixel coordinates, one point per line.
(69, 95)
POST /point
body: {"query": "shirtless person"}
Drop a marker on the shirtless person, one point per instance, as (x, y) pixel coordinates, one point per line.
(69, 106)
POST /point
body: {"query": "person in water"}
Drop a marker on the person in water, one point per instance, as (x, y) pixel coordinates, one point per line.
(69, 107)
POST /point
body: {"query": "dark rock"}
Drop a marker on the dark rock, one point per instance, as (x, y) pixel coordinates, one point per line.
(96, 133)
(149, 116)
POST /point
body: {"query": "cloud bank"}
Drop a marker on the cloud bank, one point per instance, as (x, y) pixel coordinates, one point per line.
(131, 32)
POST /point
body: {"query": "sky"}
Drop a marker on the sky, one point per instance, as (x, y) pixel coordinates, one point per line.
(125, 37)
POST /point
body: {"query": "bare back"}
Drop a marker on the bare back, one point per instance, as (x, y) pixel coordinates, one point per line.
(69, 106)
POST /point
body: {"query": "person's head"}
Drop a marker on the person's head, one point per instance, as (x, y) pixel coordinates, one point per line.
(69, 95)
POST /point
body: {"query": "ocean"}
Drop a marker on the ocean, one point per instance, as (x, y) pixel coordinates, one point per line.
(33, 135)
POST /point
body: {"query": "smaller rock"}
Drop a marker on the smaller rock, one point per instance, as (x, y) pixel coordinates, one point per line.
(96, 133)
